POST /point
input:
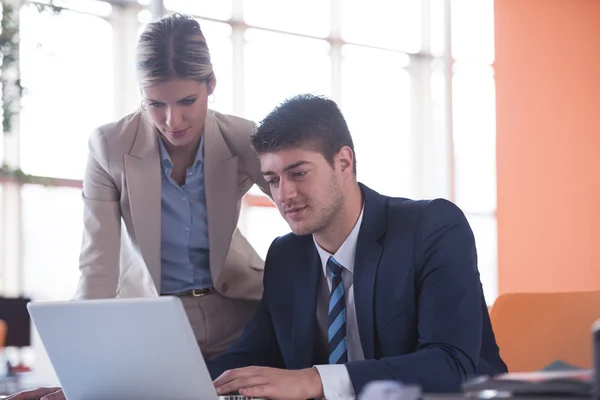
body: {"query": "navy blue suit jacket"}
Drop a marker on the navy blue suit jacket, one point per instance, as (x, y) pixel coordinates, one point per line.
(421, 312)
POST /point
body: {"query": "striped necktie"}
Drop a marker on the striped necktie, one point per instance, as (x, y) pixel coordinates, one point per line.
(338, 353)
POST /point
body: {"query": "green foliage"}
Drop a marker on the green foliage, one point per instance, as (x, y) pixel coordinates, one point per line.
(10, 80)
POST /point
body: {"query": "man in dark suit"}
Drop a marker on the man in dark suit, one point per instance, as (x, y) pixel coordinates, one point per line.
(367, 287)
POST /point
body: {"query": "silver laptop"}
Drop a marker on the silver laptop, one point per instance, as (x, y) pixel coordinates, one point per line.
(124, 349)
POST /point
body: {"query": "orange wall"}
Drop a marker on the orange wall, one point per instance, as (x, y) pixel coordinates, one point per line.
(548, 144)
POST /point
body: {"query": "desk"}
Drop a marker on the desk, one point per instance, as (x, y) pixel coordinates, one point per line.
(450, 397)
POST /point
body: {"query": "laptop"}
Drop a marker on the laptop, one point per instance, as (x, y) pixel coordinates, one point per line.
(133, 349)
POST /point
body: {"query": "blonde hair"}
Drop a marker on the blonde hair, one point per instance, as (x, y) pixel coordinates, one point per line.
(173, 47)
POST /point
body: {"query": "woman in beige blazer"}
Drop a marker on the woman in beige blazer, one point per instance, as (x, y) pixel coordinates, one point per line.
(162, 193)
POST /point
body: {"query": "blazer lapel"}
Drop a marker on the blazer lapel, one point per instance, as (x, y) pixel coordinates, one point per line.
(221, 182)
(142, 171)
(366, 263)
(306, 283)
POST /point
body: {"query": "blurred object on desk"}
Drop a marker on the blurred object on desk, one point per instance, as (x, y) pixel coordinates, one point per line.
(390, 390)
(15, 334)
(557, 384)
(13, 311)
(3, 329)
(596, 335)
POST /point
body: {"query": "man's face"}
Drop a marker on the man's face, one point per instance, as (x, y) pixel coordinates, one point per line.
(305, 188)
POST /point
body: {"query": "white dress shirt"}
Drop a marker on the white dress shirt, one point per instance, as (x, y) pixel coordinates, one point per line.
(335, 378)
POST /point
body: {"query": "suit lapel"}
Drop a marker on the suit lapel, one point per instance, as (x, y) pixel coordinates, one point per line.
(142, 171)
(306, 283)
(221, 182)
(366, 263)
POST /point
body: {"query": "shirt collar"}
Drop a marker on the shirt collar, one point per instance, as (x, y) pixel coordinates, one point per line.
(347, 251)
(166, 159)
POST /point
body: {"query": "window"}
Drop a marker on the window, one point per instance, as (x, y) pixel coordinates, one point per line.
(70, 95)
(307, 17)
(9, 248)
(301, 65)
(253, 223)
(486, 237)
(474, 129)
(385, 62)
(474, 139)
(390, 24)
(217, 9)
(2, 219)
(473, 31)
(376, 104)
(218, 38)
(52, 230)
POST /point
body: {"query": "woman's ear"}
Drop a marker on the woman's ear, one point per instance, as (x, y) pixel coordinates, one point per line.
(211, 85)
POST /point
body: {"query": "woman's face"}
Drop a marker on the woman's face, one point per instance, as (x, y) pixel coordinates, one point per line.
(178, 107)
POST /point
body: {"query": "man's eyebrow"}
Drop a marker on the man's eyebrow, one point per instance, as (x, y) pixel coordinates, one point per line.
(289, 167)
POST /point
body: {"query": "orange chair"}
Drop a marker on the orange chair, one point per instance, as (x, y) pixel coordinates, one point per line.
(535, 329)
(3, 332)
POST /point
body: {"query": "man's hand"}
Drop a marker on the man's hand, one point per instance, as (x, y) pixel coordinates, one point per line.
(271, 383)
(44, 393)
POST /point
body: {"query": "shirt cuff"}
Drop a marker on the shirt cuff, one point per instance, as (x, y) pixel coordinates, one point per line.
(336, 382)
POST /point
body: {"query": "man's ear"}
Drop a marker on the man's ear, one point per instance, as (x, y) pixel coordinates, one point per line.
(345, 158)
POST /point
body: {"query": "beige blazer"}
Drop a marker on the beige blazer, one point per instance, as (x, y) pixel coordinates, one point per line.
(120, 253)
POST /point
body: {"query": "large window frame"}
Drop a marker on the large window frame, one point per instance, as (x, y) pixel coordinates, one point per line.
(433, 168)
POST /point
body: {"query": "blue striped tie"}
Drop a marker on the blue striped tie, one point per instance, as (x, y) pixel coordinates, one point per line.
(338, 353)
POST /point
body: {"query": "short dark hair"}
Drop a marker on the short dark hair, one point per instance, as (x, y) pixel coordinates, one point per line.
(305, 120)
